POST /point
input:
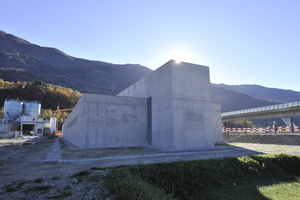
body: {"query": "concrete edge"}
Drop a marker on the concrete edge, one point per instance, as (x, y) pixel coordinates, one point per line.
(69, 144)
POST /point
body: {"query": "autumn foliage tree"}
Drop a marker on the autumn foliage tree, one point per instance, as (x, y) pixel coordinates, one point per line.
(50, 96)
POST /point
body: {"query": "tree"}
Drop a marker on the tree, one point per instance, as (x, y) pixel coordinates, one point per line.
(50, 96)
(39, 82)
(241, 124)
(1, 113)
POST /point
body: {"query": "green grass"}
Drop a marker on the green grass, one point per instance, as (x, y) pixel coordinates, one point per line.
(97, 168)
(279, 191)
(227, 178)
(38, 180)
(21, 184)
(10, 189)
(61, 196)
(43, 187)
(81, 173)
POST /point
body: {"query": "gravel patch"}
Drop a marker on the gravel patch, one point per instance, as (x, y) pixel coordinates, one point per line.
(47, 169)
(55, 154)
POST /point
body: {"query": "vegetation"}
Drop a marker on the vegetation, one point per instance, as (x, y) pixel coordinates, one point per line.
(80, 175)
(38, 180)
(227, 178)
(1, 113)
(41, 187)
(50, 96)
(289, 190)
(240, 124)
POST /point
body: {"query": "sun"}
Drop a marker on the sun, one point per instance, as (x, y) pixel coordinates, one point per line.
(179, 55)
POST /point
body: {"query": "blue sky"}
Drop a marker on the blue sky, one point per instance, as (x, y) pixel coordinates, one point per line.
(242, 41)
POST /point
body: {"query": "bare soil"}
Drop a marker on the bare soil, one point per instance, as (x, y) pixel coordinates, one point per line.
(44, 168)
(264, 138)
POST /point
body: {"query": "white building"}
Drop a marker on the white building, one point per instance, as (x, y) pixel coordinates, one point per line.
(23, 116)
(168, 109)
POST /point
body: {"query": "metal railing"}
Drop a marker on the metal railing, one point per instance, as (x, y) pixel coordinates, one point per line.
(265, 108)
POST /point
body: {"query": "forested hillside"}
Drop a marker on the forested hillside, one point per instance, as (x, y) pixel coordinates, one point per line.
(21, 60)
(50, 96)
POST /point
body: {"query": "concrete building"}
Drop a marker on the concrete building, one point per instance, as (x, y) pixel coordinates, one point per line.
(168, 109)
(23, 116)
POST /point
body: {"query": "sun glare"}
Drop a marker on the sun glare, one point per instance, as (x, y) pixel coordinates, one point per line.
(179, 56)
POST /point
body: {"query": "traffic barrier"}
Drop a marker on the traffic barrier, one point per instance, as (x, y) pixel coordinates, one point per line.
(280, 129)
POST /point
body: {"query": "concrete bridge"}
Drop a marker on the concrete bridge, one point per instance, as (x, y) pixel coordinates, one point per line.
(284, 111)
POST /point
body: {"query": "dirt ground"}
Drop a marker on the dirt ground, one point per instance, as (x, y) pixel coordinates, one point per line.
(44, 168)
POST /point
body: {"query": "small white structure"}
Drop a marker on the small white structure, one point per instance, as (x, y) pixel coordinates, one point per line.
(22, 116)
(168, 109)
(52, 125)
(32, 125)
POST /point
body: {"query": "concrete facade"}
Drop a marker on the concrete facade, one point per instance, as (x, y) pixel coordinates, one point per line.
(5, 126)
(101, 121)
(32, 125)
(11, 134)
(169, 109)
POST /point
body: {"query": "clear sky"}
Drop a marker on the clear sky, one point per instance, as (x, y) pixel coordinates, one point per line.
(242, 41)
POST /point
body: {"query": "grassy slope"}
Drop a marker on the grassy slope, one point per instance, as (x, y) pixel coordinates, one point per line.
(227, 178)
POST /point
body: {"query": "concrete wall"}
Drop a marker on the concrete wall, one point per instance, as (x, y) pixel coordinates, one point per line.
(182, 112)
(183, 116)
(37, 124)
(100, 121)
(217, 123)
(5, 126)
(11, 134)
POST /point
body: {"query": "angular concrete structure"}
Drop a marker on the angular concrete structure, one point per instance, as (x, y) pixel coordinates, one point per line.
(168, 109)
(101, 121)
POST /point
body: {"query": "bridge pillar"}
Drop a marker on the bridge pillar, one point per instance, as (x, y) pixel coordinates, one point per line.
(288, 121)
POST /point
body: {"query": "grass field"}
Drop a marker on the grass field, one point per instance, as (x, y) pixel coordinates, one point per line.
(257, 177)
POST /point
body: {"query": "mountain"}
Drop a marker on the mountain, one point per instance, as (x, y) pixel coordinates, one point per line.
(238, 97)
(231, 100)
(22, 61)
(262, 92)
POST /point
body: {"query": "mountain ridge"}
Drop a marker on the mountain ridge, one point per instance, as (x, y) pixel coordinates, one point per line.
(282, 95)
(21, 60)
(55, 66)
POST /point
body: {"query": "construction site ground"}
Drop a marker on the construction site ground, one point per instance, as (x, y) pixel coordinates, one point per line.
(43, 167)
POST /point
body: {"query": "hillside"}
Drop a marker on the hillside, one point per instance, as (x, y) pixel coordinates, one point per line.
(22, 61)
(231, 100)
(262, 92)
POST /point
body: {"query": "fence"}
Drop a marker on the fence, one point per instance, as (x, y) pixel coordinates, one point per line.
(281, 129)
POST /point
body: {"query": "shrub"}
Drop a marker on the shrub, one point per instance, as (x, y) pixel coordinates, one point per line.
(187, 179)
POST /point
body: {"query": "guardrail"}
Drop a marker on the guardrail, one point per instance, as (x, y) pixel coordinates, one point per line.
(272, 107)
(280, 129)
